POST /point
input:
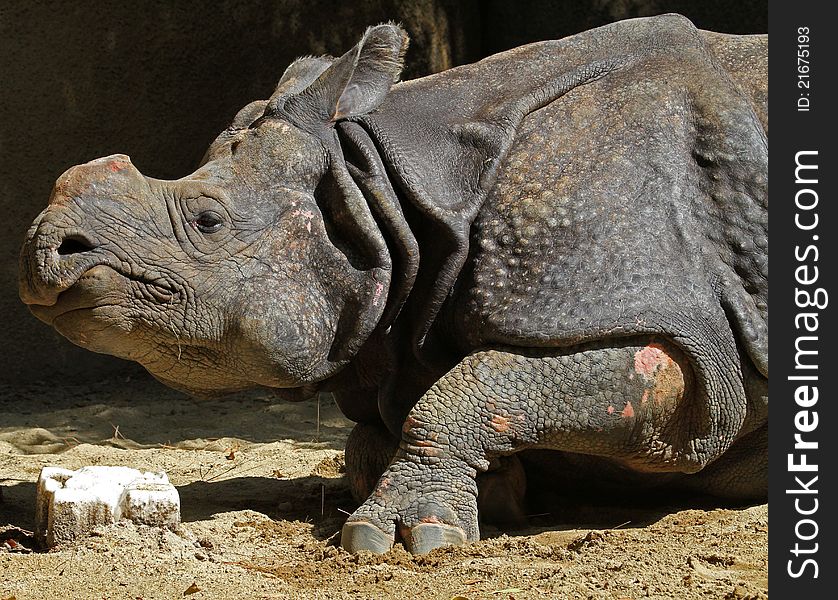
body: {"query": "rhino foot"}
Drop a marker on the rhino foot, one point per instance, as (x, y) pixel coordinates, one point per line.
(362, 535)
(427, 536)
(427, 504)
(421, 539)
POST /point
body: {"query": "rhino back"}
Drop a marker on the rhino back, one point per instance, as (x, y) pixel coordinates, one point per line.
(636, 203)
(745, 58)
(444, 138)
(608, 185)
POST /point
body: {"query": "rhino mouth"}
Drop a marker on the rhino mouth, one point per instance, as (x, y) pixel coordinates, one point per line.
(106, 289)
(155, 289)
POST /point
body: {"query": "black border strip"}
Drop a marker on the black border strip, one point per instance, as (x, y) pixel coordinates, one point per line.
(804, 235)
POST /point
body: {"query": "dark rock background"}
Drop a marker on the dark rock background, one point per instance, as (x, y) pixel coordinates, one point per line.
(157, 80)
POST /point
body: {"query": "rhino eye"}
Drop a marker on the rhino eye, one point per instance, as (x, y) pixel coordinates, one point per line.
(208, 222)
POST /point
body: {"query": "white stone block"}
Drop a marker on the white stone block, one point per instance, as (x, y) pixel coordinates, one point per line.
(70, 504)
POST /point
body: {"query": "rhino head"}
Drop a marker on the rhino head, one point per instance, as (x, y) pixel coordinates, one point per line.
(264, 267)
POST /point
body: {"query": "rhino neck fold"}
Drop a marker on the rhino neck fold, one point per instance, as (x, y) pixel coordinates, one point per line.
(427, 169)
(366, 251)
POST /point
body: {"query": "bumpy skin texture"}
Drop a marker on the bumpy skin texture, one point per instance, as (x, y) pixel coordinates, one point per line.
(562, 247)
(617, 402)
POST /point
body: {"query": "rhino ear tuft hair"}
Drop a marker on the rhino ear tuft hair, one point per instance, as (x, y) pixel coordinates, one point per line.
(354, 84)
(378, 65)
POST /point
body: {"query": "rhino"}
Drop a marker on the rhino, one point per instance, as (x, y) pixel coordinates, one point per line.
(555, 258)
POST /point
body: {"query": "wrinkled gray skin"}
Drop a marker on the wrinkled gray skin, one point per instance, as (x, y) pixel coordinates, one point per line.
(562, 247)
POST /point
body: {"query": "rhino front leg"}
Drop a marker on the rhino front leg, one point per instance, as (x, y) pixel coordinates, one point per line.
(631, 403)
(369, 449)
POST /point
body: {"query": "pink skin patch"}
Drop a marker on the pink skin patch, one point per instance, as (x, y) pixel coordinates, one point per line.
(117, 165)
(645, 397)
(649, 360)
(432, 519)
(628, 411)
(409, 423)
(610, 410)
(307, 214)
(499, 423)
(382, 486)
(379, 288)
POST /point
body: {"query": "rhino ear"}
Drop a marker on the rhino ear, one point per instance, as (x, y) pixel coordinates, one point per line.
(377, 62)
(356, 83)
(302, 73)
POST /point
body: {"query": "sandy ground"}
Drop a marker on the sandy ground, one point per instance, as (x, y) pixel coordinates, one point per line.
(263, 499)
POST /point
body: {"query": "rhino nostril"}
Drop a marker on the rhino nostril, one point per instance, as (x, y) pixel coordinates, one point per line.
(74, 244)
